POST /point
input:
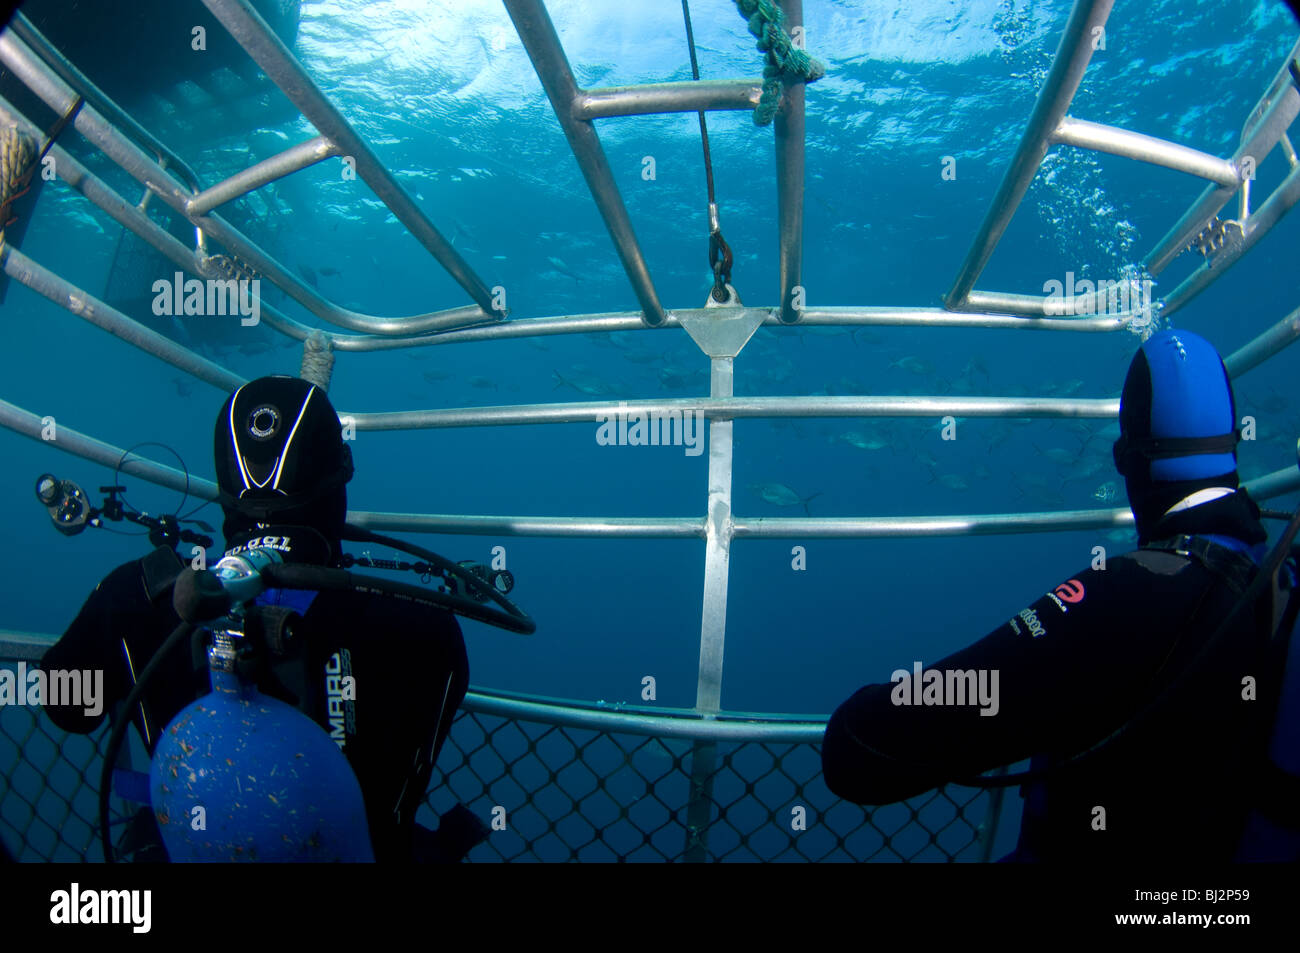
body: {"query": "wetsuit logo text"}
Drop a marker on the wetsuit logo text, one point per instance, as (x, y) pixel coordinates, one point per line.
(340, 697)
(948, 687)
(279, 543)
(1031, 619)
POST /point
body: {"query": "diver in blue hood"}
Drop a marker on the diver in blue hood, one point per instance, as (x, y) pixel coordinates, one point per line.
(1142, 693)
(381, 677)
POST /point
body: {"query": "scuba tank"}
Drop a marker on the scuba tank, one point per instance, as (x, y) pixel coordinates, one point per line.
(238, 775)
(235, 725)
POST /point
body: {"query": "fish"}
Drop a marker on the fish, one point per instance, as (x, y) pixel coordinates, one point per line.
(660, 749)
(482, 382)
(183, 387)
(643, 357)
(779, 494)
(562, 268)
(461, 229)
(1107, 492)
(1089, 470)
(584, 384)
(1037, 488)
(976, 367)
(953, 482)
(1059, 455)
(308, 273)
(679, 378)
(327, 272)
(1274, 403)
(913, 365)
(434, 377)
(855, 438)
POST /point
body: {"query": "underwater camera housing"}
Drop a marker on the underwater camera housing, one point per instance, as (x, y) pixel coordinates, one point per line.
(69, 507)
(71, 512)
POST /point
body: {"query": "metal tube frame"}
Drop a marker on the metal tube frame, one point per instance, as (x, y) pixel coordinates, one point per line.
(1049, 125)
(28, 424)
(1068, 67)
(254, 177)
(706, 724)
(651, 98)
(58, 96)
(259, 41)
(537, 32)
(789, 183)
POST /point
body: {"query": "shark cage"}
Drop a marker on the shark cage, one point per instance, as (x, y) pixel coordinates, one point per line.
(587, 780)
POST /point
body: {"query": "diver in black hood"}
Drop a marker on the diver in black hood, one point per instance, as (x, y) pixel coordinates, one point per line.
(1146, 735)
(282, 469)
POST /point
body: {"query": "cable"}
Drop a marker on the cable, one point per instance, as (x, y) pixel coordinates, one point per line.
(179, 634)
(720, 257)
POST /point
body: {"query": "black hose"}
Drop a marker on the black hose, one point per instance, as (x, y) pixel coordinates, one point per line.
(322, 579)
(179, 635)
(513, 618)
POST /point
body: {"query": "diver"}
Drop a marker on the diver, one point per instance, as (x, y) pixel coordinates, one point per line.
(282, 469)
(1142, 693)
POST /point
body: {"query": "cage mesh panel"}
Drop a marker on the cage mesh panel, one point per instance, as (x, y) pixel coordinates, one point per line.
(49, 783)
(565, 794)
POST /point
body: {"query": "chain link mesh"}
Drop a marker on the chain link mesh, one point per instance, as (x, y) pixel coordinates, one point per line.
(555, 793)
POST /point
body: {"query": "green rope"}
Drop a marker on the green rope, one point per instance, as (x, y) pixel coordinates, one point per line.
(767, 22)
(17, 163)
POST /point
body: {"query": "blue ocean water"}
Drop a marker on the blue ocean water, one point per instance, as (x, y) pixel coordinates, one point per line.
(447, 98)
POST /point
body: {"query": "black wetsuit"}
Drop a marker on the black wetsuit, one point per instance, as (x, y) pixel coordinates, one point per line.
(1073, 667)
(408, 663)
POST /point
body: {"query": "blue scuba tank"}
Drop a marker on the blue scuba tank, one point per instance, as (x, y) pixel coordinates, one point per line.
(240, 776)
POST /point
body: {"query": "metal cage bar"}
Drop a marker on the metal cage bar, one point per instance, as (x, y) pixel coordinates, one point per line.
(535, 29)
(649, 98)
(1049, 125)
(282, 68)
(789, 184)
(709, 729)
(1068, 67)
(1268, 122)
(42, 81)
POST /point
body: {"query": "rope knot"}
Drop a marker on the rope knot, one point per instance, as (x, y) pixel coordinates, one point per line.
(784, 61)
